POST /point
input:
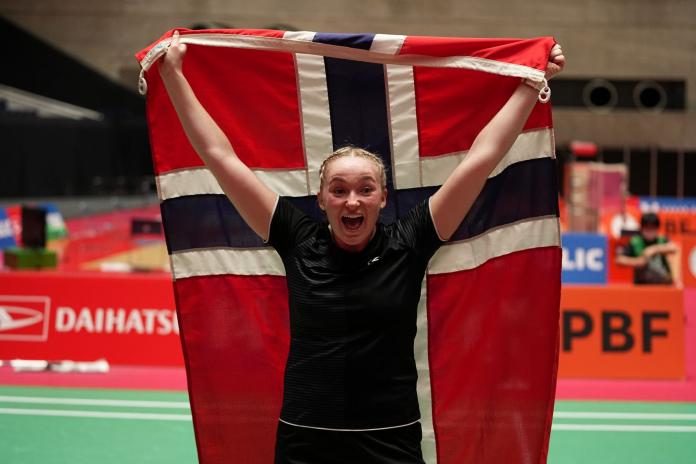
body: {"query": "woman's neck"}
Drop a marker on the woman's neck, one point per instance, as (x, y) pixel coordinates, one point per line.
(352, 248)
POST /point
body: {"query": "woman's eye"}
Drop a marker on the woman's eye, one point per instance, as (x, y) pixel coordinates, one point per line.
(367, 190)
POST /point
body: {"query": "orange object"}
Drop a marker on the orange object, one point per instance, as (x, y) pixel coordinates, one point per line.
(688, 259)
(562, 214)
(583, 149)
(622, 332)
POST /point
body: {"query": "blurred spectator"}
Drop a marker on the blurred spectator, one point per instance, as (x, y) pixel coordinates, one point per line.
(646, 253)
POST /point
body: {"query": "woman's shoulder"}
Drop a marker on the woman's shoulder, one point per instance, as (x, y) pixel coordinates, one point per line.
(293, 224)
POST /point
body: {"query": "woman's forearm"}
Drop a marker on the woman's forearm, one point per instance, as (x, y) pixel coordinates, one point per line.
(453, 200)
(254, 201)
(496, 138)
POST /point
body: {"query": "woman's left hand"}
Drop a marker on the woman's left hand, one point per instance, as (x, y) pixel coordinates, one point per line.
(556, 61)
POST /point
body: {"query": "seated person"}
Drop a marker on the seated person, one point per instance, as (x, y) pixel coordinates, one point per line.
(646, 253)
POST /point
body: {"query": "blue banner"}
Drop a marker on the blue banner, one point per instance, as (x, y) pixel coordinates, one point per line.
(7, 239)
(55, 226)
(656, 204)
(584, 258)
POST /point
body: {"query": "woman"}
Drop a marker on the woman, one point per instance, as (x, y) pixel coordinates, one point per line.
(354, 284)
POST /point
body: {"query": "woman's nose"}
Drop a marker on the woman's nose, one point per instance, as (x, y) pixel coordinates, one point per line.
(353, 199)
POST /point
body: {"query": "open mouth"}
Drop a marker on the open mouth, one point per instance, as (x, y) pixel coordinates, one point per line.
(352, 222)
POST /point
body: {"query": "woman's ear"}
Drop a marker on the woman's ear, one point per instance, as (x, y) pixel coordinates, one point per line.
(320, 202)
(384, 198)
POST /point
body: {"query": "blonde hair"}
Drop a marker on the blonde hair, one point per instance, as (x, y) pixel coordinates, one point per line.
(351, 150)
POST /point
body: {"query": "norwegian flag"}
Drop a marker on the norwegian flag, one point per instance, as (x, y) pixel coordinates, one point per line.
(486, 346)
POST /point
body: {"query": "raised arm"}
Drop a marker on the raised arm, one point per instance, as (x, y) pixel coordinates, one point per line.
(450, 204)
(253, 200)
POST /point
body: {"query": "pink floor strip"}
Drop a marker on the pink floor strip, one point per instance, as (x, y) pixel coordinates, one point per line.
(129, 377)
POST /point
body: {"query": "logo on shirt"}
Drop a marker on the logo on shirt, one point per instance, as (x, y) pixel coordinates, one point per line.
(373, 260)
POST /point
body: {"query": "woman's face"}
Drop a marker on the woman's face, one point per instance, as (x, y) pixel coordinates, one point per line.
(352, 198)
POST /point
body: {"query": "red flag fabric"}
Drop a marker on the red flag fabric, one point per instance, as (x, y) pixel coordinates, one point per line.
(486, 344)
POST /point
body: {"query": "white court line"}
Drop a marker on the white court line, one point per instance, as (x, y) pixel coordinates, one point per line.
(624, 415)
(185, 405)
(187, 417)
(95, 402)
(95, 414)
(622, 428)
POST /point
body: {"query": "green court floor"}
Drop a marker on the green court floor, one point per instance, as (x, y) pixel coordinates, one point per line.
(57, 425)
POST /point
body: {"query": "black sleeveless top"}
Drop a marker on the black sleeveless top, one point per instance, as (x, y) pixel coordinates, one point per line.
(352, 320)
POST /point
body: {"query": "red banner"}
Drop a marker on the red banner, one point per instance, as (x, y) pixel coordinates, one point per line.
(125, 319)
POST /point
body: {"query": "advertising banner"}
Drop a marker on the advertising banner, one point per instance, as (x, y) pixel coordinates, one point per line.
(688, 257)
(622, 332)
(659, 204)
(677, 225)
(584, 258)
(55, 225)
(677, 215)
(606, 332)
(7, 237)
(14, 213)
(125, 319)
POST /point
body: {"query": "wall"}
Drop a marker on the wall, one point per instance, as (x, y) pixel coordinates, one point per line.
(609, 39)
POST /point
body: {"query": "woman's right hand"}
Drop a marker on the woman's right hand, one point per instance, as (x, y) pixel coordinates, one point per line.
(556, 61)
(171, 62)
